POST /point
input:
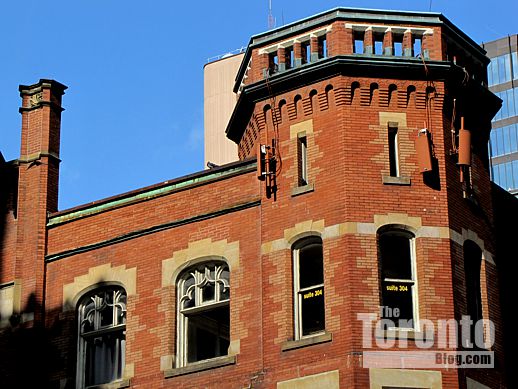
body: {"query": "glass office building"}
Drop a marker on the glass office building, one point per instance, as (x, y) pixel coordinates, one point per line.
(503, 81)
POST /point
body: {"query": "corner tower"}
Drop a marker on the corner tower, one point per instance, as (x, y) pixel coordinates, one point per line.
(374, 126)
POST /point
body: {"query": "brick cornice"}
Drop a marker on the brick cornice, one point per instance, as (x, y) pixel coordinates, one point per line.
(350, 65)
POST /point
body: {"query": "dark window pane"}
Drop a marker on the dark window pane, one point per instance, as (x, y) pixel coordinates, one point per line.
(313, 312)
(395, 256)
(104, 358)
(311, 269)
(397, 295)
(224, 292)
(208, 334)
(209, 290)
(107, 309)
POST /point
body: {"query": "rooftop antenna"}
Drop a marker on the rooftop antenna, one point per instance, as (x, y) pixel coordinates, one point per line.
(271, 19)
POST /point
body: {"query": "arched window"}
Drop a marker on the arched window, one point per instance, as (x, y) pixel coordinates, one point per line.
(308, 282)
(102, 336)
(203, 312)
(398, 277)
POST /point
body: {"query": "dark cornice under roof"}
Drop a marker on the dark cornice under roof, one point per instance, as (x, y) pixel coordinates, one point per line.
(356, 14)
(407, 68)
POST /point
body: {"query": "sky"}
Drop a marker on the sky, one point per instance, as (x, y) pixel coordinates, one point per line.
(134, 70)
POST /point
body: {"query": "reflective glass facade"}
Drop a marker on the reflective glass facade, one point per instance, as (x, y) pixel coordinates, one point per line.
(502, 77)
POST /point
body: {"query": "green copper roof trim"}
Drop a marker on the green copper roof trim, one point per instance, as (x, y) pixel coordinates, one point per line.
(151, 193)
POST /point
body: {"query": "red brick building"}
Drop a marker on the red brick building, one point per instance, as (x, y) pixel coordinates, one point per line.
(371, 195)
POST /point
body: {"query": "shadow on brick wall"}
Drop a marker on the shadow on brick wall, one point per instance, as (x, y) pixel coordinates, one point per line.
(506, 220)
(37, 356)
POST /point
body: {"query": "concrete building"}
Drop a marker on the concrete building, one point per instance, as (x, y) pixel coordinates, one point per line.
(503, 81)
(219, 100)
(361, 196)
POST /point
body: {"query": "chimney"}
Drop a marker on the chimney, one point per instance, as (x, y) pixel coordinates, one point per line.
(38, 177)
(41, 123)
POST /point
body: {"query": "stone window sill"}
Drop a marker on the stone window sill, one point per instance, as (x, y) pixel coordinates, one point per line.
(302, 189)
(389, 180)
(398, 333)
(201, 366)
(124, 383)
(305, 342)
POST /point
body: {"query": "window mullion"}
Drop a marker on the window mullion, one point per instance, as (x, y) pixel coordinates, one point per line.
(311, 287)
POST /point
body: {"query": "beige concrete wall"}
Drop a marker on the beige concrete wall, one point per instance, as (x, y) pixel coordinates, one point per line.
(219, 102)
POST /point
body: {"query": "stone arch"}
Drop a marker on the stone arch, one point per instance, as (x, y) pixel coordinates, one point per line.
(99, 276)
(198, 252)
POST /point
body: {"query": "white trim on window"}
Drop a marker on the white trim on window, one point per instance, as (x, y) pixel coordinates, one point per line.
(413, 270)
(299, 292)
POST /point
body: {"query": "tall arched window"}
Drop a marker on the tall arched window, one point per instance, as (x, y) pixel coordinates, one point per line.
(203, 312)
(102, 336)
(398, 277)
(308, 282)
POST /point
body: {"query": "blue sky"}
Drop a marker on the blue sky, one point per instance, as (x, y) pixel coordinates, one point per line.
(134, 107)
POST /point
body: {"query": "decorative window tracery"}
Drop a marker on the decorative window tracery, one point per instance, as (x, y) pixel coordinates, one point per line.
(102, 337)
(203, 313)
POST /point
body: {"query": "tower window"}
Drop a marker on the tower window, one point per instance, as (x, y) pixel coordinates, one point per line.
(322, 47)
(273, 63)
(398, 286)
(302, 160)
(309, 287)
(289, 57)
(306, 52)
(393, 151)
(358, 42)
